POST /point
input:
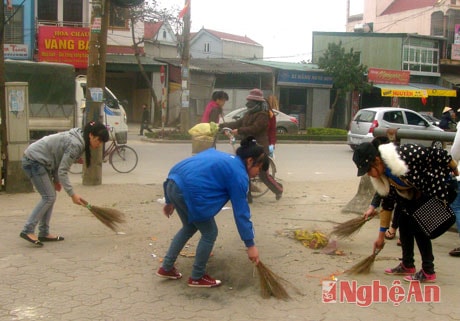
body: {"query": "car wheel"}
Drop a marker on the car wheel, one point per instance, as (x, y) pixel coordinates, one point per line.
(437, 144)
(281, 130)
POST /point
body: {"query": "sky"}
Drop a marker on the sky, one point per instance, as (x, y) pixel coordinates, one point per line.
(283, 28)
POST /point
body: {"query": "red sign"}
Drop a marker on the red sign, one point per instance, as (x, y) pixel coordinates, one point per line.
(386, 76)
(64, 44)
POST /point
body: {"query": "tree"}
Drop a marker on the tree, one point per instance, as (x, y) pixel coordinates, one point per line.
(152, 13)
(346, 71)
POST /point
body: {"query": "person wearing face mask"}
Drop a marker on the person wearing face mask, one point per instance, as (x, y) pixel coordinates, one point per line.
(255, 123)
(401, 175)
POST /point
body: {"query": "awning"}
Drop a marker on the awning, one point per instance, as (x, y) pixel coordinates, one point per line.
(435, 90)
(401, 91)
(454, 79)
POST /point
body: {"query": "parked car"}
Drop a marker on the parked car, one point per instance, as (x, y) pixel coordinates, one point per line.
(285, 124)
(366, 120)
(433, 120)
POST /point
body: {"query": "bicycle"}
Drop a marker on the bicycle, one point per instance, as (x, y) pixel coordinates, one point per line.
(122, 157)
(257, 186)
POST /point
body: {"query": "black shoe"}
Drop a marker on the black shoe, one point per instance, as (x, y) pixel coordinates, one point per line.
(455, 252)
(50, 239)
(27, 238)
(278, 196)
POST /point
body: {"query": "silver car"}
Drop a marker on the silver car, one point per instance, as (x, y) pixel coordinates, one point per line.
(366, 120)
(285, 124)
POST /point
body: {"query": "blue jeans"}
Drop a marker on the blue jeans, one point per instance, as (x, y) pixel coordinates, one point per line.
(41, 214)
(456, 208)
(208, 230)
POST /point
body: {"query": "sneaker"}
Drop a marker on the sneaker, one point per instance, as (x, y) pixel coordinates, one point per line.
(421, 277)
(172, 274)
(205, 282)
(400, 270)
(455, 252)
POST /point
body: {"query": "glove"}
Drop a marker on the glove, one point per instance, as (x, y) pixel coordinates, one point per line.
(271, 149)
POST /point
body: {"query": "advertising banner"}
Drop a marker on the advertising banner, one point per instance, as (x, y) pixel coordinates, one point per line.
(64, 44)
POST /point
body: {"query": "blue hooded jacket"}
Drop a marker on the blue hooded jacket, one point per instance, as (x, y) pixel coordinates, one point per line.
(208, 181)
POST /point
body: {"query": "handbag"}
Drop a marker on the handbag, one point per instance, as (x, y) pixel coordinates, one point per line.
(433, 216)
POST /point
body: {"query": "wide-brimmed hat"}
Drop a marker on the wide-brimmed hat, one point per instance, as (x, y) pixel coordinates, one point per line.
(363, 156)
(256, 94)
(446, 109)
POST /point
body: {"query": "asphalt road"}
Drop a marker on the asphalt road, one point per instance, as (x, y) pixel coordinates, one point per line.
(295, 162)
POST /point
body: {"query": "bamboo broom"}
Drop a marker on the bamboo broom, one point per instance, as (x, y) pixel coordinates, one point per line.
(270, 283)
(364, 266)
(350, 227)
(110, 217)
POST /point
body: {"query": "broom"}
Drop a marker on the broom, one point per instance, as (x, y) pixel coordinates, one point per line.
(349, 227)
(110, 217)
(364, 266)
(270, 283)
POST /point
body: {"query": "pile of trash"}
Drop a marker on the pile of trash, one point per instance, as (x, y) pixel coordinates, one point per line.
(314, 240)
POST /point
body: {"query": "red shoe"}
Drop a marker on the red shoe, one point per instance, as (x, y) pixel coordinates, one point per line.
(421, 277)
(205, 282)
(400, 270)
(172, 274)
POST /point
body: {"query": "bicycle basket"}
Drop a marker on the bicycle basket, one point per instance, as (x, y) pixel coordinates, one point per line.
(201, 143)
(122, 138)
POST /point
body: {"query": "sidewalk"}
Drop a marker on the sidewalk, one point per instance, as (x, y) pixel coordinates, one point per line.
(96, 274)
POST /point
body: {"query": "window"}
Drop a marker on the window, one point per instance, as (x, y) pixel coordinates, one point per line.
(421, 56)
(164, 34)
(117, 17)
(73, 11)
(414, 119)
(206, 47)
(394, 117)
(47, 10)
(14, 29)
(365, 116)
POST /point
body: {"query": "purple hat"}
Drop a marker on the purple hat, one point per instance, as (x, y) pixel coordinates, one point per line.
(256, 94)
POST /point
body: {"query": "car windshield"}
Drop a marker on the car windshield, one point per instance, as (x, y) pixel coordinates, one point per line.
(365, 116)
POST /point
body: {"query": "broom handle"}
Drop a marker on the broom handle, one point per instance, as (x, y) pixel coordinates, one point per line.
(87, 205)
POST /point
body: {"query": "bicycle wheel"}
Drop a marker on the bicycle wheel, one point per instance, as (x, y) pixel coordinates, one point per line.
(123, 159)
(258, 187)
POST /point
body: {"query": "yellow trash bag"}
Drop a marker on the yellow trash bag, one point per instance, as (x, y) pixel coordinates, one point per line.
(204, 129)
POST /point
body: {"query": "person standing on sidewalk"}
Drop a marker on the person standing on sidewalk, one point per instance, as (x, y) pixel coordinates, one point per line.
(401, 175)
(145, 120)
(214, 109)
(46, 163)
(455, 152)
(198, 187)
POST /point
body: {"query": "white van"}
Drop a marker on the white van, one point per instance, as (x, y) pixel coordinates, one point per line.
(114, 114)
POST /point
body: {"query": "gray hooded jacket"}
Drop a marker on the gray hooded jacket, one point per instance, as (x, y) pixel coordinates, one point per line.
(57, 153)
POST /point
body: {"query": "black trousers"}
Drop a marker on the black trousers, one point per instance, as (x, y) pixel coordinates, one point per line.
(408, 232)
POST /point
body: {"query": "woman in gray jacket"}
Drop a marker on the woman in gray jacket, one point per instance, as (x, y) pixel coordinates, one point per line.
(46, 163)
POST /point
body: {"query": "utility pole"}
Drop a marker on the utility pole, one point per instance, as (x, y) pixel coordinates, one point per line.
(186, 114)
(3, 132)
(95, 82)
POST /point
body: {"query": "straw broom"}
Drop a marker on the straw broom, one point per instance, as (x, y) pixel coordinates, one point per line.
(364, 266)
(270, 283)
(110, 217)
(350, 227)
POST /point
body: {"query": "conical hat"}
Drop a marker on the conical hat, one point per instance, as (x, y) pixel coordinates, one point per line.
(446, 109)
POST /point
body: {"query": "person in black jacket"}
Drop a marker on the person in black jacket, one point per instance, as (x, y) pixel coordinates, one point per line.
(145, 120)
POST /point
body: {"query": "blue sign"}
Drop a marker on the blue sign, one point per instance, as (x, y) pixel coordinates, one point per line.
(304, 78)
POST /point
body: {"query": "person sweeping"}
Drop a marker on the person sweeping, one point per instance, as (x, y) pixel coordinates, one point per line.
(401, 175)
(197, 188)
(46, 163)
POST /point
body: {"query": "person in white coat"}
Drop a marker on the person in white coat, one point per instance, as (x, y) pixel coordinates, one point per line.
(455, 153)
